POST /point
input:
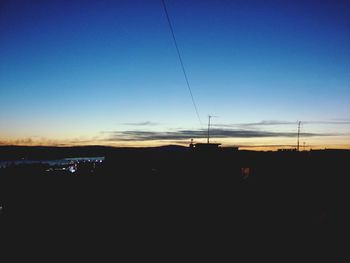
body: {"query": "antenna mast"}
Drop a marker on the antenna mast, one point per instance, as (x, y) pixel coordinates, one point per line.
(298, 135)
(209, 117)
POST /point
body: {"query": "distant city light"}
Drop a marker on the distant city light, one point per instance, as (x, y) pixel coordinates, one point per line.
(72, 169)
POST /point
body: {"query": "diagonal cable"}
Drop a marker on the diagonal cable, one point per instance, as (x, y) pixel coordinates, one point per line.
(181, 62)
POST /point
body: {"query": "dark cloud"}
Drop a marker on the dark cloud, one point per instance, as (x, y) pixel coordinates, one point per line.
(144, 123)
(266, 145)
(269, 122)
(260, 123)
(196, 134)
(327, 122)
(278, 122)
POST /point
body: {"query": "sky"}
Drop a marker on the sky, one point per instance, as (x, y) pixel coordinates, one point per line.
(107, 73)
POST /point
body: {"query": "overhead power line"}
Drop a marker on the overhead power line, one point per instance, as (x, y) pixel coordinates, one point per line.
(181, 62)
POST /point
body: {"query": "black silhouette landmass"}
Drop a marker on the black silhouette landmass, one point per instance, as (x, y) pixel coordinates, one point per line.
(181, 198)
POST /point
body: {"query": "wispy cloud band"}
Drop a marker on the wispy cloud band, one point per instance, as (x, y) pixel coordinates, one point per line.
(143, 123)
(278, 122)
(138, 135)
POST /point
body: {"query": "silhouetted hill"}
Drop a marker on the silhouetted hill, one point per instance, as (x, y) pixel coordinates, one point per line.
(52, 152)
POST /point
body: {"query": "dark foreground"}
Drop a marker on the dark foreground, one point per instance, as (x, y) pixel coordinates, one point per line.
(163, 202)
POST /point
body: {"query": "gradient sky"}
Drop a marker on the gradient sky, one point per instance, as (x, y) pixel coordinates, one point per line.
(107, 72)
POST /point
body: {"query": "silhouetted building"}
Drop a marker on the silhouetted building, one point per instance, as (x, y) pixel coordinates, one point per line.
(287, 150)
(205, 146)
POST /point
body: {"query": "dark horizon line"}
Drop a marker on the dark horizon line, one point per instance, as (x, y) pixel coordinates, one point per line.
(319, 147)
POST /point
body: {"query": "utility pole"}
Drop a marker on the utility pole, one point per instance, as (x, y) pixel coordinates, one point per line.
(298, 135)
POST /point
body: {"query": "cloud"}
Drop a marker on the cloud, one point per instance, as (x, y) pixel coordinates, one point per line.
(269, 122)
(278, 122)
(266, 145)
(202, 133)
(25, 141)
(45, 142)
(327, 122)
(260, 123)
(342, 119)
(144, 123)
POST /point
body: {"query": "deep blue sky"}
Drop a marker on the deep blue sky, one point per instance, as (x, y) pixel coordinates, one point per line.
(75, 69)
